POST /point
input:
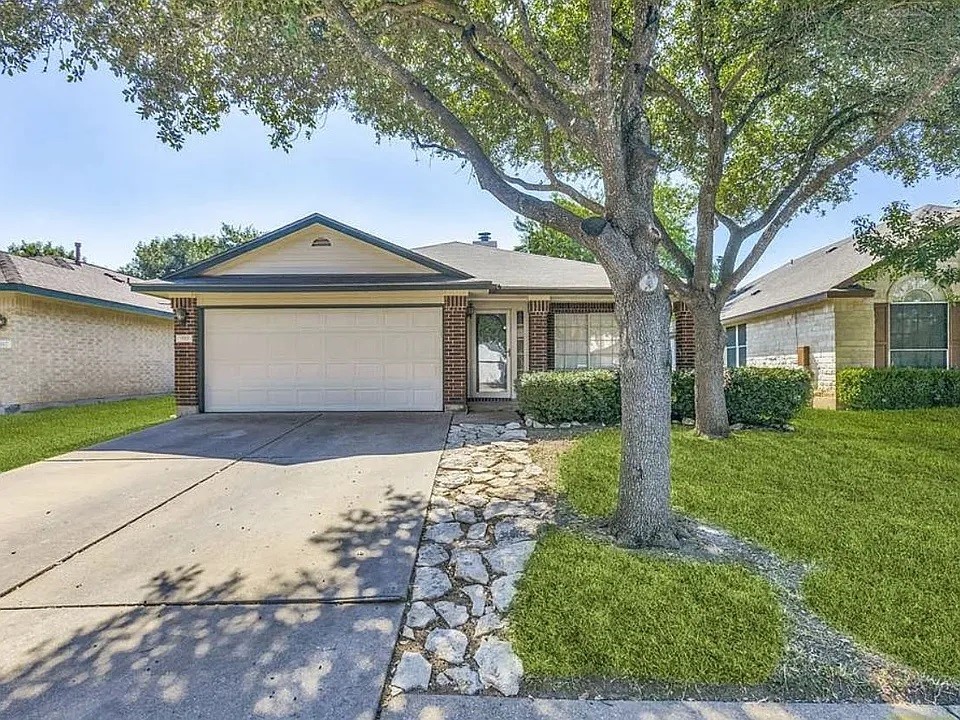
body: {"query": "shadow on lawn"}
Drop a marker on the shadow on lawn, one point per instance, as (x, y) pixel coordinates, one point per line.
(191, 651)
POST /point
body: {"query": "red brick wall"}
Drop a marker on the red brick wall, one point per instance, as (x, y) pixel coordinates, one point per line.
(539, 343)
(683, 319)
(454, 350)
(185, 388)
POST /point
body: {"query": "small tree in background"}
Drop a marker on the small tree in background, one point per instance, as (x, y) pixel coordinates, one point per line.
(905, 243)
(38, 248)
(163, 255)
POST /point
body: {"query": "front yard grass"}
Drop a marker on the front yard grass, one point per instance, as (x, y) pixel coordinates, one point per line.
(32, 436)
(871, 499)
(647, 617)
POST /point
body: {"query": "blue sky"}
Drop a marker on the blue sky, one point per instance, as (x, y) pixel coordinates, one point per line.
(77, 163)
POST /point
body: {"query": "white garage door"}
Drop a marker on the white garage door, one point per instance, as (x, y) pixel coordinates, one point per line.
(322, 359)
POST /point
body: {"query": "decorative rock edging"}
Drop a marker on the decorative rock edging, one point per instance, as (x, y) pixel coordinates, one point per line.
(489, 502)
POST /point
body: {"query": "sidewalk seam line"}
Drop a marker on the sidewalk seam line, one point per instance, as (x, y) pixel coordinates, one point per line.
(156, 507)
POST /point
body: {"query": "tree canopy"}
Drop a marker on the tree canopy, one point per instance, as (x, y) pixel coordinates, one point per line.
(38, 248)
(913, 243)
(164, 255)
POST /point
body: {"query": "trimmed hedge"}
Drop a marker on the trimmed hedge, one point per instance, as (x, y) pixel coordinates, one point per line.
(755, 396)
(897, 388)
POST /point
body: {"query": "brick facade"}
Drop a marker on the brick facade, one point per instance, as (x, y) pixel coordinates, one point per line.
(185, 358)
(539, 342)
(58, 353)
(454, 350)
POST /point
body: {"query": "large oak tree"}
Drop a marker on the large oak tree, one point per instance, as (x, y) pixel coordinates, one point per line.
(594, 100)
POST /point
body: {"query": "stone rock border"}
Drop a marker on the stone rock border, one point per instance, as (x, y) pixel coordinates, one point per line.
(489, 503)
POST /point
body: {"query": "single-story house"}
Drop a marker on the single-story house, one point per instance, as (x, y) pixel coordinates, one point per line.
(74, 332)
(819, 311)
(321, 316)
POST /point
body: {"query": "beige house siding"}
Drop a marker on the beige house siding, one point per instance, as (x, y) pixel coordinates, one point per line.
(62, 352)
(855, 332)
(772, 341)
(296, 254)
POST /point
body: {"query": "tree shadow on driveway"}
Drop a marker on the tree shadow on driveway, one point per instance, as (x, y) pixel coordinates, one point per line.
(190, 651)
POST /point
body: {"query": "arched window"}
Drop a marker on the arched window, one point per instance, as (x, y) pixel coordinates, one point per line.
(918, 324)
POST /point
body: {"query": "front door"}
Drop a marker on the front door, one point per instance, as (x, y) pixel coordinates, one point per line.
(491, 355)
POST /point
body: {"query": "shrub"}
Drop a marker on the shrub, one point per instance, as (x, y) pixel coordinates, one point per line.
(897, 388)
(590, 396)
(755, 396)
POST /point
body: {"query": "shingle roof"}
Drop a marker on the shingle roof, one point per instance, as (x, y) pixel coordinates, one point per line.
(64, 279)
(513, 270)
(807, 278)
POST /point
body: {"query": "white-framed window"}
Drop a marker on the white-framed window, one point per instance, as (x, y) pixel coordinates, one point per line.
(918, 324)
(737, 345)
(585, 341)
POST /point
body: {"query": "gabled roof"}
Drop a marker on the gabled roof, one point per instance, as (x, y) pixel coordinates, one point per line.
(520, 271)
(63, 279)
(197, 269)
(829, 271)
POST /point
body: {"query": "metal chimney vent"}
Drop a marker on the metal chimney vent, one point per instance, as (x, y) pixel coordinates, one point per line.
(483, 239)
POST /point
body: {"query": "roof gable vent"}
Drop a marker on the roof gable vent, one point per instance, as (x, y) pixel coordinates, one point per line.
(320, 242)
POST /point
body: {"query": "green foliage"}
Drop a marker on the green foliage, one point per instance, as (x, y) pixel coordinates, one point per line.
(897, 388)
(164, 255)
(589, 610)
(673, 203)
(869, 499)
(755, 396)
(589, 396)
(905, 243)
(32, 436)
(38, 248)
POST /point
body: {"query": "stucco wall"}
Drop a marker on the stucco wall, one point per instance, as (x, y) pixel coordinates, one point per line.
(773, 341)
(62, 352)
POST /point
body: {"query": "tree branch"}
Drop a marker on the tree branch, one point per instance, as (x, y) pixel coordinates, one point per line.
(488, 175)
(662, 86)
(886, 130)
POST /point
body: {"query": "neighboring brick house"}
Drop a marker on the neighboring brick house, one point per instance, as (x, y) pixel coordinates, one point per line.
(321, 316)
(74, 332)
(819, 311)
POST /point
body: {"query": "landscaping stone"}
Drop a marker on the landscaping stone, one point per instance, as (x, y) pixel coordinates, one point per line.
(487, 624)
(464, 679)
(445, 532)
(513, 529)
(448, 645)
(412, 673)
(420, 615)
(510, 558)
(453, 615)
(430, 583)
(499, 666)
(470, 567)
(488, 505)
(478, 599)
(432, 554)
(503, 590)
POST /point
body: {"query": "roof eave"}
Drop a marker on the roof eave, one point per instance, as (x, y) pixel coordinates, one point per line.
(84, 300)
(831, 294)
(305, 222)
(179, 287)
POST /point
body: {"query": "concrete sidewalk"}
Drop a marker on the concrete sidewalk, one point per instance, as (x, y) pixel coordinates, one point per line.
(458, 707)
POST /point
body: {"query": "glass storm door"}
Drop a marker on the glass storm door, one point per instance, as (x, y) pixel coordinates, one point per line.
(491, 354)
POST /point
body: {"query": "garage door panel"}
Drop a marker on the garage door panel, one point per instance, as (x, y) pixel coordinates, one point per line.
(316, 359)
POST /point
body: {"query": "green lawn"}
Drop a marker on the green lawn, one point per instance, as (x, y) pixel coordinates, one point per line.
(31, 436)
(590, 610)
(871, 498)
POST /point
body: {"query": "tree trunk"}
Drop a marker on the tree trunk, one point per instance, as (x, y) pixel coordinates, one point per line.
(643, 514)
(710, 403)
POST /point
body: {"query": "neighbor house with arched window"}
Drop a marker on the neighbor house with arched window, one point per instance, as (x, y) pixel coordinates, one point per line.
(825, 311)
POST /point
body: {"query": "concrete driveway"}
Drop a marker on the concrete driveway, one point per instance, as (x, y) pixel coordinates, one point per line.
(216, 566)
